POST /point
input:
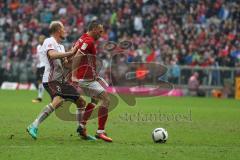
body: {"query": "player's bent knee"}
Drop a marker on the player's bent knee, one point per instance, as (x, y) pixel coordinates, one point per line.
(105, 99)
(57, 102)
(94, 101)
(105, 104)
(81, 103)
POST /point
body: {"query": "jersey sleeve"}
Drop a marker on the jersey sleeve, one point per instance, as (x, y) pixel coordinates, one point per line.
(38, 49)
(86, 47)
(63, 48)
(48, 45)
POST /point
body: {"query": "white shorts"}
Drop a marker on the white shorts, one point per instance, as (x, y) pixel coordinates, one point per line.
(93, 88)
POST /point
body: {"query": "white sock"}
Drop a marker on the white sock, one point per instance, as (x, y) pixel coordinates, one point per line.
(79, 115)
(40, 90)
(43, 115)
(100, 131)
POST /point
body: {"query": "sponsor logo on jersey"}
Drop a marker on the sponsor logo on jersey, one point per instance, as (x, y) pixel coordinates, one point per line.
(84, 46)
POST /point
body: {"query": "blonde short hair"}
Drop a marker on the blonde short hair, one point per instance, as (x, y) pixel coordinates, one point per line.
(55, 26)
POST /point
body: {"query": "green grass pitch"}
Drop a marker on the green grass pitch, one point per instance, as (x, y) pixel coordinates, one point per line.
(198, 128)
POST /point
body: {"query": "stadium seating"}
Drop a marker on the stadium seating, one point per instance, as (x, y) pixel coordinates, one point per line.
(186, 32)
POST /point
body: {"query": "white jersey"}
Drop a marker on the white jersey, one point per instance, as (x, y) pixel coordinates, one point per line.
(40, 58)
(53, 68)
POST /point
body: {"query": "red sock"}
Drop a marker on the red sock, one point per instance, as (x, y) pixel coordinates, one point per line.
(102, 117)
(87, 113)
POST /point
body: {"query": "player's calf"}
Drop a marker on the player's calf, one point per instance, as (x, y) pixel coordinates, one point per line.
(102, 117)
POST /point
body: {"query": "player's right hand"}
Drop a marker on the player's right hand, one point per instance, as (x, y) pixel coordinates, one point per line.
(74, 49)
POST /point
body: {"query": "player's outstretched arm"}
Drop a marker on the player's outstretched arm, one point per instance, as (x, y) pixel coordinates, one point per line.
(53, 54)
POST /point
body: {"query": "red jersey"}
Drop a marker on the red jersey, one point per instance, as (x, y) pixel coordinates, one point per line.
(87, 66)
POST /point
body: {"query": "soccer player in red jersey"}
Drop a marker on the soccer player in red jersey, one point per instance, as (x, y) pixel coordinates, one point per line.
(85, 75)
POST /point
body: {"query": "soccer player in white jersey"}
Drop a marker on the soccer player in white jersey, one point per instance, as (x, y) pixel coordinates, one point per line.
(40, 70)
(53, 53)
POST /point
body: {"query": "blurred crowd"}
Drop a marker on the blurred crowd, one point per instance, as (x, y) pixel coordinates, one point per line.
(172, 32)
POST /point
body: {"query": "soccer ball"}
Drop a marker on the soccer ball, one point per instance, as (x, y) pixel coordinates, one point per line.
(159, 135)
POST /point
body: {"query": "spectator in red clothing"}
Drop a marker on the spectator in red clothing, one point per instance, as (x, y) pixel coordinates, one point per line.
(191, 30)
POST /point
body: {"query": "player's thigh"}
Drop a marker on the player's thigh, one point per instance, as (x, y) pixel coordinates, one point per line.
(104, 96)
(50, 87)
(70, 93)
(64, 90)
(102, 82)
(57, 101)
(92, 89)
(100, 93)
(80, 102)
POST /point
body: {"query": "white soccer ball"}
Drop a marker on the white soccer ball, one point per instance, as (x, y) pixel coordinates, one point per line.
(159, 135)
